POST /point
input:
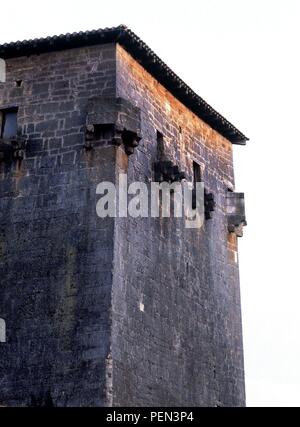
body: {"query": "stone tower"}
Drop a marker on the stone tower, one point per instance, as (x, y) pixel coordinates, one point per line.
(113, 311)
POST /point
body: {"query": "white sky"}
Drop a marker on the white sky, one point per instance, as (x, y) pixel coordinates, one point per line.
(242, 56)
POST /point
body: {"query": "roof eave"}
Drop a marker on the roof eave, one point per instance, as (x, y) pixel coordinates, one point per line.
(148, 59)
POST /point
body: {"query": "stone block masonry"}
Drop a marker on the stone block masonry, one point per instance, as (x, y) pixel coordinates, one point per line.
(55, 253)
(185, 346)
(111, 311)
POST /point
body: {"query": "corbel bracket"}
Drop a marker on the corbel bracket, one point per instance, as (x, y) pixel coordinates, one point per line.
(117, 118)
(12, 148)
(236, 218)
(209, 204)
(168, 172)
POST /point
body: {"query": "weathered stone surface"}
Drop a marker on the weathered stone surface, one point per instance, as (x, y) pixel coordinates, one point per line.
(236, 213)
(55, 253)
(115, 115)
(111, 311)
(185, 347)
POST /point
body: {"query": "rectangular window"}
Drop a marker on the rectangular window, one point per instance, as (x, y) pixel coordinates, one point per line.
(196, 178)
(160, 145)
(8, 123)
(197, 173)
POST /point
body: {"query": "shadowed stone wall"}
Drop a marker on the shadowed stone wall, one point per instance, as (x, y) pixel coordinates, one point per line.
(55, 253)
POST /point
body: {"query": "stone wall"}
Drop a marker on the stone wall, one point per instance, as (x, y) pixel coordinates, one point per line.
(111, 311)
(55, 253)
(176, 337)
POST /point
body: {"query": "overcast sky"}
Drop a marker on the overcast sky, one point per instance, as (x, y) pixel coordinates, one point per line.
(242, 56)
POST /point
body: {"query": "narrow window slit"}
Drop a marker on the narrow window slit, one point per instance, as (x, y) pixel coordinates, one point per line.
(197, 177)
(160, 145)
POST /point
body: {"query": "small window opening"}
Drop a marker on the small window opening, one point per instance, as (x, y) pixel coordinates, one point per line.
(19, 83)
(8, 123)
(160, 145)
(197, 173)
(103, 131)
(196, 178)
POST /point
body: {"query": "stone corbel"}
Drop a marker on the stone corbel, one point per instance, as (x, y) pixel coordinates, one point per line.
(167, 171)
(119, 117)
(89, 136)
(209, 204)
(12, 148)
(236, 218)
(131, 141)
